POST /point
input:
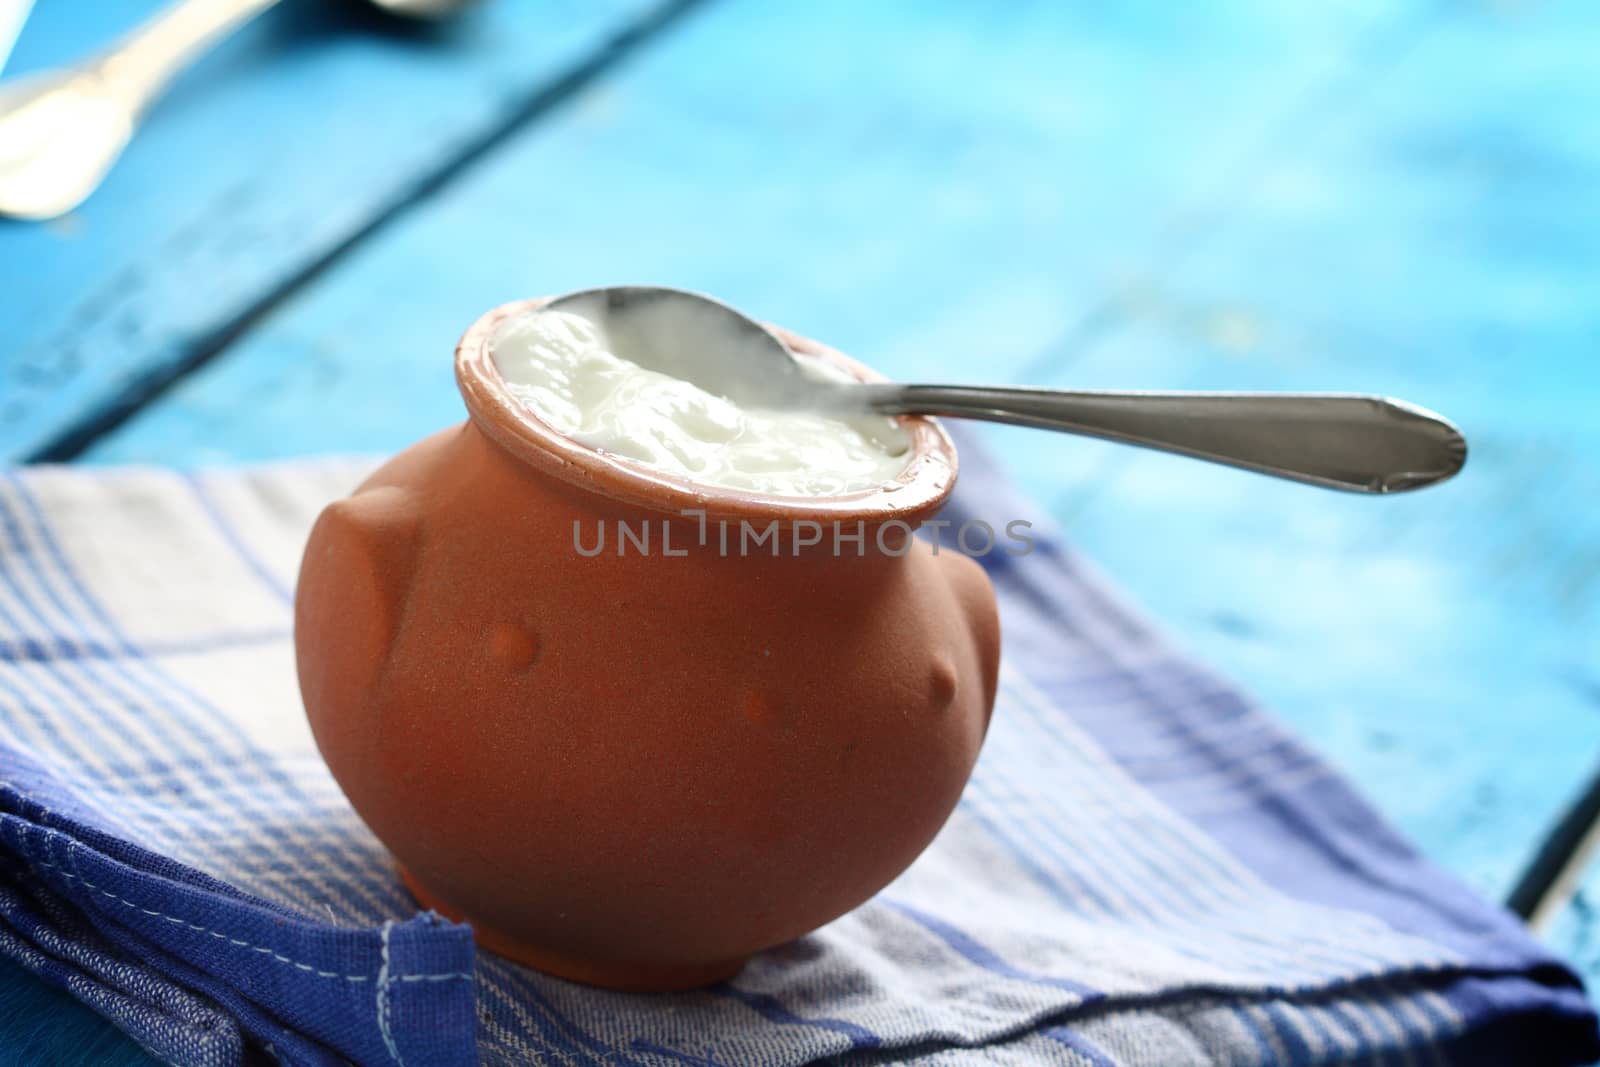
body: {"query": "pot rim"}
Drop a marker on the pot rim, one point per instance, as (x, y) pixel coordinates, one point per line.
(918, 491)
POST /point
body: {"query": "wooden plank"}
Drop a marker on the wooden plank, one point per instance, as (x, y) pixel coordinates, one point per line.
(1433, 244)
(927, 183)
(291, 140)
(41, 1024)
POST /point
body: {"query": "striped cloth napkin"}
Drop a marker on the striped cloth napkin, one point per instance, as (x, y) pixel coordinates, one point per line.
(1145, 868)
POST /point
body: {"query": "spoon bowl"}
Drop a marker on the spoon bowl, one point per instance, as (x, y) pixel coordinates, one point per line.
(700, 340)
(423, 9)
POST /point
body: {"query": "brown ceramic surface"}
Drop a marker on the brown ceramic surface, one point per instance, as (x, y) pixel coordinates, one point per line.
(635, 771)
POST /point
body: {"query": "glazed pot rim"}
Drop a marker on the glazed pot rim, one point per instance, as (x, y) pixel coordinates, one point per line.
(919, 490)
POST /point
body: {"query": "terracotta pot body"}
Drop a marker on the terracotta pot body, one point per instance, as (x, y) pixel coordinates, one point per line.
(636, 770)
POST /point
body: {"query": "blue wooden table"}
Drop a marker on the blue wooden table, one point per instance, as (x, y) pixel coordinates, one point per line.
(1392, 197)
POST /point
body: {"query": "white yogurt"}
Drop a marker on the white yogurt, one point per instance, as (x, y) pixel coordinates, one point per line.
(563, 367)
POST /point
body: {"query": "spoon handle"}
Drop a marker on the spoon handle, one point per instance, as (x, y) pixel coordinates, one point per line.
(1366, 444)
(142, 63)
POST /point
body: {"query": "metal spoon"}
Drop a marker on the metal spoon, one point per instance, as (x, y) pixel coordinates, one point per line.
(60, 131)
(11, 19)
(1366, 444)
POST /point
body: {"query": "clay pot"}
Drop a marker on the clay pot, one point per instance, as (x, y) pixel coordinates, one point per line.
(636, 770)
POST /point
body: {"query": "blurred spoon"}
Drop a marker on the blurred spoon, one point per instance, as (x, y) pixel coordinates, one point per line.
(1365, 444)
(11, 19)
(61, 130)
